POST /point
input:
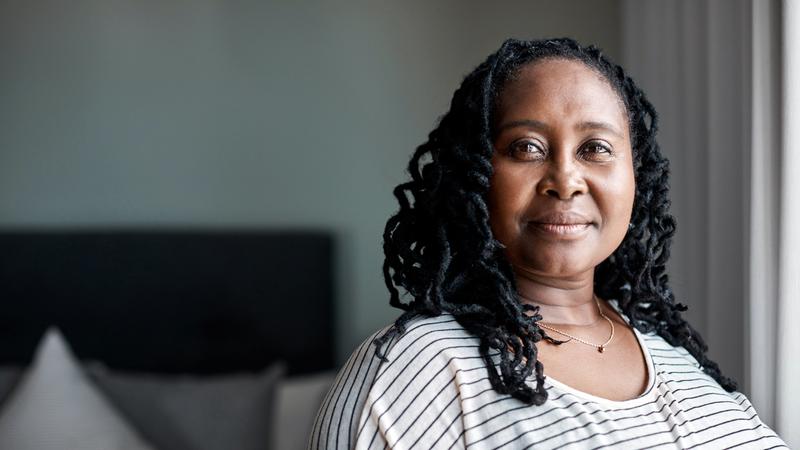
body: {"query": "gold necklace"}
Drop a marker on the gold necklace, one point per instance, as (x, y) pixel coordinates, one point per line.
(601, 347)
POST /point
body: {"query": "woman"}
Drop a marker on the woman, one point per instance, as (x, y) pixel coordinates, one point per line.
(533, 240)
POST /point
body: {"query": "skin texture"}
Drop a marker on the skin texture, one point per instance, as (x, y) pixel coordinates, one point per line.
(562, 146)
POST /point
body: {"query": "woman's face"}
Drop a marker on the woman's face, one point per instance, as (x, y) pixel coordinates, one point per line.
(562, 192)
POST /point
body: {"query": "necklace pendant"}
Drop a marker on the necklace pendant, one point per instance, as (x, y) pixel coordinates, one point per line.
(601, 349)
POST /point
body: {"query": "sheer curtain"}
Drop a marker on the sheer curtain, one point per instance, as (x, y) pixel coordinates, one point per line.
(788, 373)
(691, 58)
(719, 72)
(764, 215)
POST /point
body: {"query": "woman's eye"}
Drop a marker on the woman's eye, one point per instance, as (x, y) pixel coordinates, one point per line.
(527, 150)
(597, 150)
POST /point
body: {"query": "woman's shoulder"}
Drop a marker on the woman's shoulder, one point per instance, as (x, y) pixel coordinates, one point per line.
(418, 362)
(656, 346)
(427, 336)
(427, 342)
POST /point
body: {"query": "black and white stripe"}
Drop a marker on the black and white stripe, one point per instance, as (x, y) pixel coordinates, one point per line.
(434, 392)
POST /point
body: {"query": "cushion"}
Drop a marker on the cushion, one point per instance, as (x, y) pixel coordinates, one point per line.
(181, 412)
(9, 377)
(299, 399)
(55, 406)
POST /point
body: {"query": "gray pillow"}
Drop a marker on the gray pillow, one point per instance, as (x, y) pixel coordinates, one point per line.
(9, 377)
(56, 407)
(299, 399)
(179, 412)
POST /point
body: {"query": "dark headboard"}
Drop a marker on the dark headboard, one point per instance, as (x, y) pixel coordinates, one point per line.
(192, 302)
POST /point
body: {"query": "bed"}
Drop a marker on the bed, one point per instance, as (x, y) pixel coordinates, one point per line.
(230, 317)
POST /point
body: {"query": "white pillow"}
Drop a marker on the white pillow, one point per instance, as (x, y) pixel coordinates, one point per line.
(55, 406)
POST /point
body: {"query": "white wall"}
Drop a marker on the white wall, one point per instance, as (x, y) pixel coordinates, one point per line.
(244, 113)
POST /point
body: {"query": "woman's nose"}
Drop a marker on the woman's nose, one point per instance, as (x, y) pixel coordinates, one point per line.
(563, 180)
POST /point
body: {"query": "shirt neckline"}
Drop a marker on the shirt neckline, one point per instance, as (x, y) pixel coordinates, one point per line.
(644, 397)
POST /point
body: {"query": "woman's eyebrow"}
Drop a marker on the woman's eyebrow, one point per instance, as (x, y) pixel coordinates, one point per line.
(605, 126)
(541, 126)
(527, 123)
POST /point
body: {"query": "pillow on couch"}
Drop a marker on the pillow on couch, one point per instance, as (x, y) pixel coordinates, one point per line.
(177, 412)
(55, 407)
(298, 401)
(9, 377)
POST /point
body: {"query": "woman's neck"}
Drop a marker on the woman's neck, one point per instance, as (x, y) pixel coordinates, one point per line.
(567, 301)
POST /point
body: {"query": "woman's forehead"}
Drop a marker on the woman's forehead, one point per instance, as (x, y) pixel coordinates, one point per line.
(561, 89)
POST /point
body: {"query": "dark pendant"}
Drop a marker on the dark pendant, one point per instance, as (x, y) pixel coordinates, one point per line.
(601, 349)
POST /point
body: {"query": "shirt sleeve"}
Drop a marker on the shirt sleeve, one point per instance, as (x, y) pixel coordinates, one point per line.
(411, 400)
(337, 420)
(414, 401)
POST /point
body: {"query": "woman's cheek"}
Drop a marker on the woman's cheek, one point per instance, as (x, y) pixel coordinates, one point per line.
(616, 201)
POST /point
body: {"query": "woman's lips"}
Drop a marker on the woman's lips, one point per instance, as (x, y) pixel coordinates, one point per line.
(560, 225)
(561, 229)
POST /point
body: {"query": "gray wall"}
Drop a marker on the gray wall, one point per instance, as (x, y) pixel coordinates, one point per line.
(244, 113)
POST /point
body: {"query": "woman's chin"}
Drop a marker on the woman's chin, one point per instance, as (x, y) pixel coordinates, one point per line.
(548, 268)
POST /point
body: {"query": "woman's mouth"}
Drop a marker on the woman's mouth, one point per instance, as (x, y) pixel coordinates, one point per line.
(561, 229)
(560, 225)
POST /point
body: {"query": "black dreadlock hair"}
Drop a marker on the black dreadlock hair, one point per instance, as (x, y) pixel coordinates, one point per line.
(440, 249)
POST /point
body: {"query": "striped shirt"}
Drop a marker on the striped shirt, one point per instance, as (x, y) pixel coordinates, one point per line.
(434, 392)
